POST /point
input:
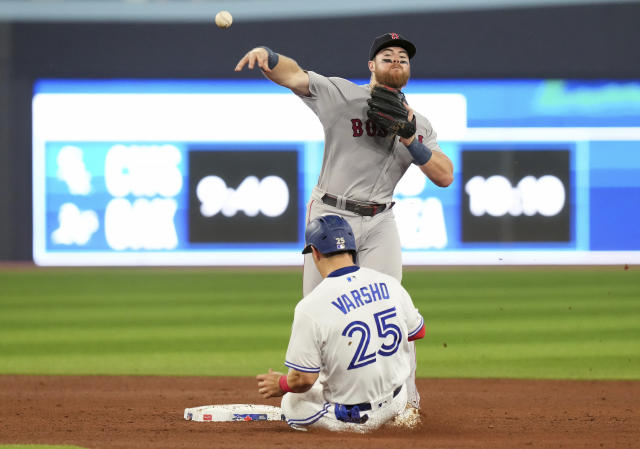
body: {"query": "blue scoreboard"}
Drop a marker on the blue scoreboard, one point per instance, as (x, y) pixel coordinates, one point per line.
(148, 172)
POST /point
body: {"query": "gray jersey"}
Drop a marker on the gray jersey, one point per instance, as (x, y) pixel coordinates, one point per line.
(361, 162)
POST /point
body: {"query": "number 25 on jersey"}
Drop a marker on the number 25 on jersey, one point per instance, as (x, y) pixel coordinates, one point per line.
(384, 328)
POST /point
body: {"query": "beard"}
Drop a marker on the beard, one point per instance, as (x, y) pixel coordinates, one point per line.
(392, 78)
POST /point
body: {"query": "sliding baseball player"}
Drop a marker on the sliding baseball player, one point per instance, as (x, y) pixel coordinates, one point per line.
(349, 354)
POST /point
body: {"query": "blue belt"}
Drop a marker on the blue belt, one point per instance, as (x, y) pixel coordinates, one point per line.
(364, 406)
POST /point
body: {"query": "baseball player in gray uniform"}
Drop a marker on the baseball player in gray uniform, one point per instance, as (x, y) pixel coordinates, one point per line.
(349, 353)
(367, 150)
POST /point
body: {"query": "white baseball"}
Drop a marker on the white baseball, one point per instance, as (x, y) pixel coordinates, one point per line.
(224, 19)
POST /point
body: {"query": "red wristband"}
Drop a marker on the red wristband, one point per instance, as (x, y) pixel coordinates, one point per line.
(284, 386)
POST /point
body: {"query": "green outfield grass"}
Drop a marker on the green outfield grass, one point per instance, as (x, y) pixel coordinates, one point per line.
(524, 323)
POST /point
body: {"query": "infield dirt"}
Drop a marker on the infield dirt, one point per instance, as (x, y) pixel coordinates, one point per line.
(147, 412)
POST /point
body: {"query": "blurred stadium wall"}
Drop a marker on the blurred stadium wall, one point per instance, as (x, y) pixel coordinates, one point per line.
(590, 40)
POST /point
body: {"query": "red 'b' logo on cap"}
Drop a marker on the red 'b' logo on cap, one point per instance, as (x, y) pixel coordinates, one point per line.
(394, 35)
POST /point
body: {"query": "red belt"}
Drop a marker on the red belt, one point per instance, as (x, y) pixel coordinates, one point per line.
(360, 208)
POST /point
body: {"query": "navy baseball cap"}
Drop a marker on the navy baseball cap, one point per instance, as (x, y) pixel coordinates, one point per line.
(329, 234)
(391, 40)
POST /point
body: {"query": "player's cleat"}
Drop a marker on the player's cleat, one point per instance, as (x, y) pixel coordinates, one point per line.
(409, 418)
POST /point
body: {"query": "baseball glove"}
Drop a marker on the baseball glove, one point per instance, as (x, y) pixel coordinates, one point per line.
(387, 110)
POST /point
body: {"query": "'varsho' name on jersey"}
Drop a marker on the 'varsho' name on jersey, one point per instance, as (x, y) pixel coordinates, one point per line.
(365, 295)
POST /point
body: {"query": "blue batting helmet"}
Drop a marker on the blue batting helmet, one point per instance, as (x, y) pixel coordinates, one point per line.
(329, 234)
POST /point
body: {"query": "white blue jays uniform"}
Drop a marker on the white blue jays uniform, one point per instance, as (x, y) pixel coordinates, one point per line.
(353, 329)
